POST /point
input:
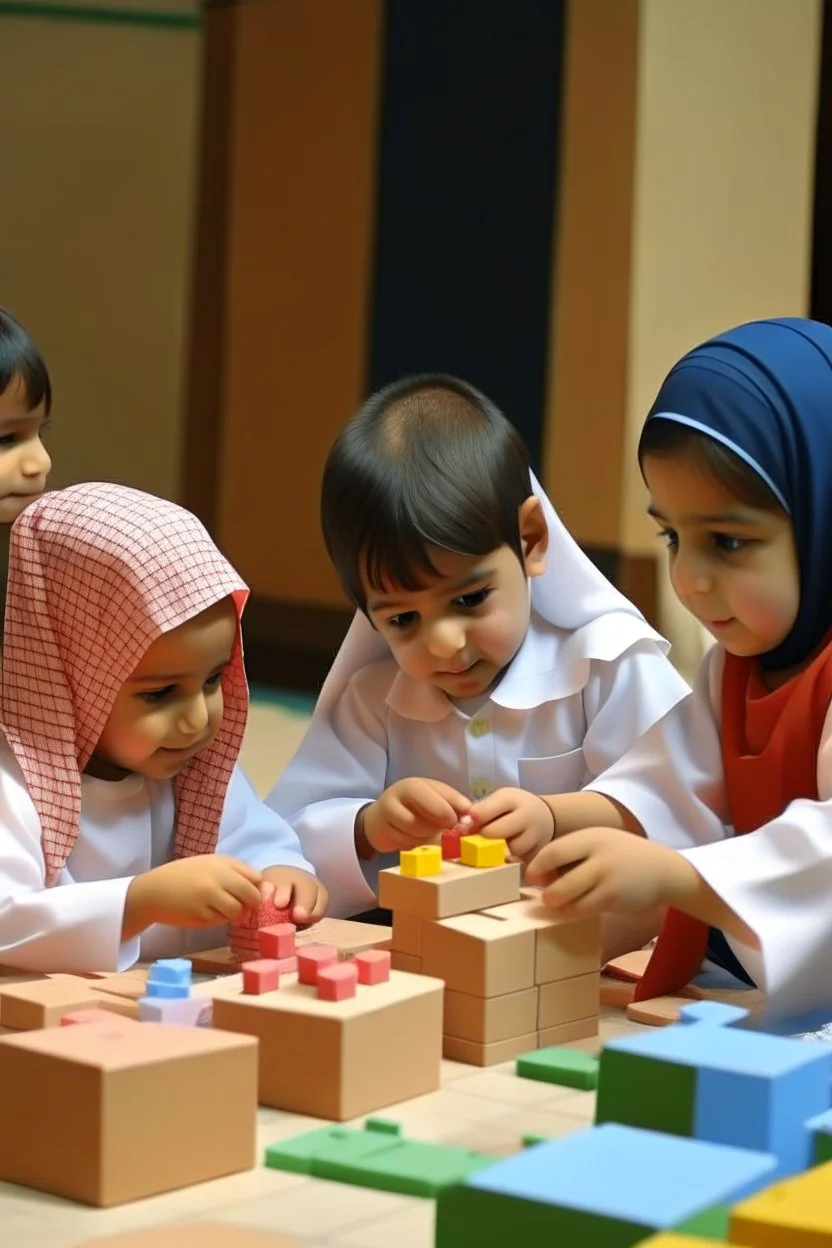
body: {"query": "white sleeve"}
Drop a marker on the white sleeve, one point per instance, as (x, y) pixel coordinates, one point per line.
(778, 879)
(254, 833)
(672, 779)
(70, 927)
(625, 697)
(339, 767)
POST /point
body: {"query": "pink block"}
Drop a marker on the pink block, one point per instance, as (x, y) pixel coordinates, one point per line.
(312, 959)
(336, 983)
(244, 929)
(287, 966)
(278, 940)
(87, 1016)
(261, 976)
(450, 843)
(373, 966)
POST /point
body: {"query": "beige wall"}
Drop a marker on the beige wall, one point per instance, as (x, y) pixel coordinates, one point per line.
(96, 222)
(726, 119)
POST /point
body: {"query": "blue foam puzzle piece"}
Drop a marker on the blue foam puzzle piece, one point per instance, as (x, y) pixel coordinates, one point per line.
(633, 1176)
(712, 1013)
(168, 992)
(170, 971)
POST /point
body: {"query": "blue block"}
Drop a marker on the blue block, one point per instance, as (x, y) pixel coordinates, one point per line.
(168, 992)
(170, 971)
(641, 1178)
(713, 1013)
(752, 1090)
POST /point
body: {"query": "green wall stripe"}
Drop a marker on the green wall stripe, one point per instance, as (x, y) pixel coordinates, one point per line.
(101, 17)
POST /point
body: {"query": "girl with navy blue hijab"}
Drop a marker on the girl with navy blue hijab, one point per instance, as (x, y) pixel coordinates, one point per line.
(730, 795)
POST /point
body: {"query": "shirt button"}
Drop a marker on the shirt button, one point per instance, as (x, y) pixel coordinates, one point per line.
(479, 727)
(481, 788)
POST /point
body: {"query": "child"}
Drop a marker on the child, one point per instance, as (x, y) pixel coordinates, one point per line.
(25, 405)
(487, 650)
(124, 703)
(734, 787)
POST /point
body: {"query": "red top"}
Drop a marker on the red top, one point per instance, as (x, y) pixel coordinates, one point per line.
(770, 743)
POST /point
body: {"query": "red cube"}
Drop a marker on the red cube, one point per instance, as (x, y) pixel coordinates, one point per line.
(450, 843)
(373, 966)
(261, 976)
(312, 959)
(277, 940)
(337, 982)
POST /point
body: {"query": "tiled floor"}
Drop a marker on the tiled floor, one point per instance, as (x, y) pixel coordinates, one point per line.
(484, 1109)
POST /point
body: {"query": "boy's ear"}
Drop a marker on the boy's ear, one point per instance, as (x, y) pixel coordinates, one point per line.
(534, 536)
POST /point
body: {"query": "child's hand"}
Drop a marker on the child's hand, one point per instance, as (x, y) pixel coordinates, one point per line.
(290, 887)
(601, 869)
(411, 812)
(524, 820)
(201, 891)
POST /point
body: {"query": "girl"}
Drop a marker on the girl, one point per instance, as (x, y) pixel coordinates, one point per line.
(124, 703)
(487, 653)
(734, 787)
(25, 405)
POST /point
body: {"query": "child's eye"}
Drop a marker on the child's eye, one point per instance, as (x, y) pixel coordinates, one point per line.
(405, 620)
(669, 536)
(213, 681)
(8, 439)
(470, 601)
(727, 544)
(153, 696)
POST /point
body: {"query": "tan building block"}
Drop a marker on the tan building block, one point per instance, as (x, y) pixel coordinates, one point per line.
(579, 1029)
(405, 962)
(381, 1046)
(488, 1054)
(479, 955)
(487, 1020)
(457, 889)
(407, 933)
(41, 1003)
(107, 1114)
(564, 947)
(569, 999)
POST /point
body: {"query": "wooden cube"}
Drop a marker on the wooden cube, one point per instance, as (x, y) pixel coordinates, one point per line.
(381, 1046)
(476, 1054)
(479, 955)
(27, 1006)
(422, 860)
(566, 1033)
(407, 933)
(482, 851)
(564, 948)
(405, 962)
(105, 1114)
(456, 889)
(486, 1020)
(569, 999)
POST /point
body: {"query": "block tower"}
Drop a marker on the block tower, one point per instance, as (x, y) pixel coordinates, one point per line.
(516, 976)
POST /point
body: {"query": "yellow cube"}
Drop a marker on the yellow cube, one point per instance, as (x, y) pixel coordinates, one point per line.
(482, 851)
(796, 1212)
(423, 860)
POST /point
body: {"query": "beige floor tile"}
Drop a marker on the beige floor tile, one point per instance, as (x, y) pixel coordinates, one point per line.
(314, 1208)
(410, 1228)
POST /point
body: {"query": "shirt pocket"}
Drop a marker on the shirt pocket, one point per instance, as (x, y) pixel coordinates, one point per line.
(562, 773)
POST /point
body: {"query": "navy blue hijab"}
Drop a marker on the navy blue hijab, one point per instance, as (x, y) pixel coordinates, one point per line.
(764, 390)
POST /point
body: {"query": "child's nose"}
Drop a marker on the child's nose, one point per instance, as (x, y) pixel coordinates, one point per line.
(195, 718)
(690, 576)
(446, 639)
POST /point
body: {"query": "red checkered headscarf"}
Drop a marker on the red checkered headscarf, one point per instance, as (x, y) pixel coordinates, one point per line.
(97, 573)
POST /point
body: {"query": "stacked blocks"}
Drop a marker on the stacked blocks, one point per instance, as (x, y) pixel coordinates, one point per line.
(516, 976)
(168, 994)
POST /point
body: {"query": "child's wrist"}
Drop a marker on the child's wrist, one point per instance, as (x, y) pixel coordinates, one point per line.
(363, 845)
(552, 816)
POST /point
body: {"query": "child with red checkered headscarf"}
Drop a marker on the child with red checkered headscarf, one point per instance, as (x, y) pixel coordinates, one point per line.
(129, 831)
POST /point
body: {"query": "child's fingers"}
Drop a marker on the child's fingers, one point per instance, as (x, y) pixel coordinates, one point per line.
(491, 808)
(571, 885)
(558, 856)
(266, 891)
(460, 804)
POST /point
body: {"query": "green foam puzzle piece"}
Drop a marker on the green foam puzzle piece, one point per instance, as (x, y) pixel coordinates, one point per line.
(304, 1153)
(385, 1126)
(296, 1154)
(411, 1167)
(568, 1067)
(642, 1092)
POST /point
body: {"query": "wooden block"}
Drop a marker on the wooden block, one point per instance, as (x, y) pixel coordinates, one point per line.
(475, 1054)
(482, 851)
(487, 1020)
(479, 955)
(126, 1007)
(345, 935)
(214, 962)
(618, 992)
(579, 1029)
(657, 1013)
(457, 889)
(422, 860)
(76, 1017)
(564, 947)
(131, 984)
(450, 843)
(405, 962)
(407, 933)
(569, 999)
(195, 1235)
(152, 1109)
(28, 1006)
(381, 1046)
(630, 966)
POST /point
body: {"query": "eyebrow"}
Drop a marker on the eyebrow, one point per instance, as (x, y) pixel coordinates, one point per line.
(479, 574)
(171, 678)
(714, 517)
(8, 422)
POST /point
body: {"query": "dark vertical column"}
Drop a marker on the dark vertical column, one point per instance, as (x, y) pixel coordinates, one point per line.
(468, 171)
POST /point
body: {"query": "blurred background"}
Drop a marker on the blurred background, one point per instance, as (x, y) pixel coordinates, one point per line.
(226, 222)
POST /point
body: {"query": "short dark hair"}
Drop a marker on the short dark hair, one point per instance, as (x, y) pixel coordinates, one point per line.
(426, 461)
(661, 436)
(19, 357)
